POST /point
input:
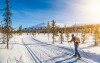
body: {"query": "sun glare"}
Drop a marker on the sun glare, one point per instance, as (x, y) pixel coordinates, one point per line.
(94, 7)
(91, 10)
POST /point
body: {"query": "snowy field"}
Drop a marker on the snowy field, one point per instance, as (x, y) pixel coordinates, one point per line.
(38, 49)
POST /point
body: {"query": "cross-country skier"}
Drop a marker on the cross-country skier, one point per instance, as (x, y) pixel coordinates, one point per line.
(76, 41)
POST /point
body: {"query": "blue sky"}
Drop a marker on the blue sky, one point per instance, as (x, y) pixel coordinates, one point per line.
(31, 12)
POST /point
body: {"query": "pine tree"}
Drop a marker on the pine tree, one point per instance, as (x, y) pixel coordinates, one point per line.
(66, 33)
(61, 36)
(7, 20)
(96, 34)
(75, 29)
(53, 30)
(48, 29)
(33, 32)
(84, 33)
(91, 30)
(20, 31)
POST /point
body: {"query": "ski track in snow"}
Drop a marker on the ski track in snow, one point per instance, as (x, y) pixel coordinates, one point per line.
(41, 52)
(34, 57)
(27, 49)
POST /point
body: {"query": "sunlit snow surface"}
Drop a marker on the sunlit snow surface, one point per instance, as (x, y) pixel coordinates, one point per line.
(38, 49)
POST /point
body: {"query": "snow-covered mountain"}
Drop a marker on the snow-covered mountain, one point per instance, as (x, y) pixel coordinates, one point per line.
(44, 25)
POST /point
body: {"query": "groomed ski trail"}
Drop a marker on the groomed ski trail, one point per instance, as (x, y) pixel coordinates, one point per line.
(42, 52)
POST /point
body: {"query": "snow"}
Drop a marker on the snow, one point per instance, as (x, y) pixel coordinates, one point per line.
(87, 50)
(38, 49)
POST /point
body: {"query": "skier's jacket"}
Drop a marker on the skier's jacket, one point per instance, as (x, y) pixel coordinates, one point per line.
(76, 39)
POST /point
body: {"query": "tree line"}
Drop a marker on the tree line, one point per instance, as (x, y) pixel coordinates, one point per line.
(84, 30)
